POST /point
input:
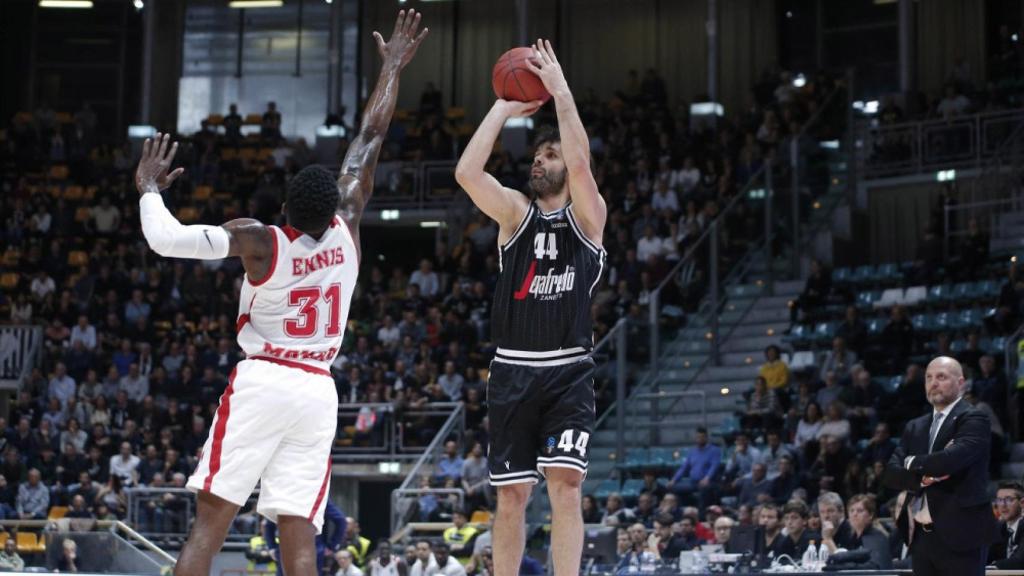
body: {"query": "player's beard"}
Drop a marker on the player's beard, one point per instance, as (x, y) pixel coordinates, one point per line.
(547, 184)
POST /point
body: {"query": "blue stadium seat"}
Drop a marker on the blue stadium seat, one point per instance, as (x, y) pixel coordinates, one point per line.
(997, 346)
(841, 275)
(863, 275)
(876, 325)
(798, 336)
(938, 294)
(824, 332)
(958, 346)
(940, 321)
(866, 299)
(888, 273)
(636, 459)
(962, 291)
(989, 289)
(605, 488)
(923, 322)
(663, 458)
(966, 319)
(631, 489)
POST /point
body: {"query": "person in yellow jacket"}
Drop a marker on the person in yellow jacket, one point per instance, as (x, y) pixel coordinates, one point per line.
(460, 536)
(260, 559)
(774, 371)
(356, 544)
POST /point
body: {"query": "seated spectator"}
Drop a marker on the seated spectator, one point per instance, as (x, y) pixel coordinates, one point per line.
(742, 459)
(834, 528)
(798, 537)
(839, 360)
(853, 330)
(125, 464)
(835, 425)
(62, 386)
(638, 556)
(459, 537)
(68, 561)
(785, 482)
(653, 486)
(865, 534)
(909, 401)
(755, 489)
(79, 508)
(447, 565)
(649, 245)
(449, 466)
(346, 567)
(808, 431)
(768, 519)
(475, 478)
(645, 511)
(698, 470)
(590, 510)
(953, 103)
(774, 452)
(763, 407)
(664, 198)
(833, 461)
(897, 338)
(662, 542)
(451, 382)
(688, 532)
(615, 511)
(774, 371)
(815, 293)
(425, 561)
(33, 497)
(1008, 552)
(426, 279)
(831, 391)
(9, 558)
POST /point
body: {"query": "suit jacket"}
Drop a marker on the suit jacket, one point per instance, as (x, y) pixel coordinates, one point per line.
(959, 505)
(997, 554)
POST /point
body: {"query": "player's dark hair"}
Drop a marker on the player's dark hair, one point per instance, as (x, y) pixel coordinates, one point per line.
(312, 199)
(547, 135)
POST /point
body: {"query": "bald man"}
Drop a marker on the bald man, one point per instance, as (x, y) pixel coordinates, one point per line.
(942, 466)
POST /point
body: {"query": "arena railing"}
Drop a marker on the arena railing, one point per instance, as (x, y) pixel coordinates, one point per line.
(103, 546)
(368, 432)
(414, 185)
(764, 221)
(402, 498)
(21, 346)
(166, 515)
(962, 142)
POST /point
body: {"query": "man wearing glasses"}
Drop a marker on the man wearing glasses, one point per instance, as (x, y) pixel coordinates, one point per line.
(1008, 552)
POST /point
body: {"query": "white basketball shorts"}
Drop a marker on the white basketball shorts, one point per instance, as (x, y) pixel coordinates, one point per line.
(275, 425)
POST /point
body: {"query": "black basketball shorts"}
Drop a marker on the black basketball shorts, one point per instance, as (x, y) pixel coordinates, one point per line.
(540, 417)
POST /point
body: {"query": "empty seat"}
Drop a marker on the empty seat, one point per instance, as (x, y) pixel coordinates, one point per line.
(867, 299)
(915, 295)
(841, 275)
(605, 488)
(864, 274)
(801, 360)
(890, 297)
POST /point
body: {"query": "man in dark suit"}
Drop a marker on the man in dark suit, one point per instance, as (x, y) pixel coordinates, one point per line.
(1008, 552)
(941, 465)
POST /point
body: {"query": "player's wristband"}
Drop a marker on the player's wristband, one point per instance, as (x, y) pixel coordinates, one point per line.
(168, 237)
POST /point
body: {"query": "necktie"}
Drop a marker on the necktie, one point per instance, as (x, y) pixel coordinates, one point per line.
(936, 424)
(1010, 546)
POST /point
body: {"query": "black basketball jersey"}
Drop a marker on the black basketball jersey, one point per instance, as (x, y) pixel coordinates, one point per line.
(549, 270)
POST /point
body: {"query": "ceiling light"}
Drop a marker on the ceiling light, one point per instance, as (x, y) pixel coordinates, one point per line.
(256, 3)
(65, 3)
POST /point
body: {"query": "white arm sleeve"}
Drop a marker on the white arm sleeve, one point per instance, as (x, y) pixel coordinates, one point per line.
(168, 237)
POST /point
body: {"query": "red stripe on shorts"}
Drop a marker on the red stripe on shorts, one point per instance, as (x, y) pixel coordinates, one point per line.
(223, 411)
(323, 490)
(292, 364)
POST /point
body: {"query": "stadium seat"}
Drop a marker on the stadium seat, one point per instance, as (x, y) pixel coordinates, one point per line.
(799, 335)
(887, 273)
(890, 297)
(997, 345)
(863, 275)
(480, 517)
(966, 319)
(915, 295)
(8, 280)
(82, 214)
(923, 322)
(188, 214)
(252, 119)
(631, 489)
(938, 293)
(961, 291)
(57, 512)
(58, 172)
(74, 193)
(605, 488)
(801, 360)
(90, 192)
(636, 459)
(215, 119)
(841, 275)
(824, 332)
(876, 325)
(663, 458)
(29, 543)
(455, 113)
(78, 258)
(989, 288)
(866, 299)
(202, 192)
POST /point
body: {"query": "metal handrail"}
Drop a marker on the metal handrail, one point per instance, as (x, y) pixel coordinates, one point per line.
(393, 446)
(111, 525)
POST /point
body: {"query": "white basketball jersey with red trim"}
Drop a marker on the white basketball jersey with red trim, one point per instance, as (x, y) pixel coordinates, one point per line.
(299, 310)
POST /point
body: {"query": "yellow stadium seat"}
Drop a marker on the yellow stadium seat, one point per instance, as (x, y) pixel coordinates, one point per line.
(82, 214)
(253, 119)
(265, 153)
(29, 543)
(54, 191)
(11, 257)
(202, 192)
(188, 214)
(455, 113)
(247, 153)
(74, 193)
(480, 517)
(90, 192)
(215, 119)
(65, 118)
(8, 280)
(4, 536)
(402, 114)
(59, 172)
(78, 258)
(57, 512)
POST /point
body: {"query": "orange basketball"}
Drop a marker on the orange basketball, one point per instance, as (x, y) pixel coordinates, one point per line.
(512, 79)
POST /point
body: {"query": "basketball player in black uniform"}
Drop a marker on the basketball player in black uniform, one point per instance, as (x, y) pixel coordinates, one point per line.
(541, 387)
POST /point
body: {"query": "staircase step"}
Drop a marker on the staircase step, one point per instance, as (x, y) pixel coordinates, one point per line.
(757, 329)
(1014, 470)
(725, 373)
(714, 401)
(751, 344)
(753, 357)
(765, 315)
(1017, 452)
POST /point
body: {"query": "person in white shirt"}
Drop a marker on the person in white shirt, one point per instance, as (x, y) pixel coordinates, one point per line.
(953, 104)
(389, 334)
(41, 220)
(686, 178)
(426, 279)
(345, 565)
(384, 563)
(124, 464)
(134, 384)
(106, 217)
(425, 561)
(664, 198)
(42, 285)
(62, 387)
(451, 382)
(649, 245)
(84, 332)
(447, 565)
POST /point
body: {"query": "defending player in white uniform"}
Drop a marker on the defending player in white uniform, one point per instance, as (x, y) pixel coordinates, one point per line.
(277, 418)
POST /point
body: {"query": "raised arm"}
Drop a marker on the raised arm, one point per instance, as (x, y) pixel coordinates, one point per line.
(355, 183)
(504, 205)
(587, 204)
(245, 237)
